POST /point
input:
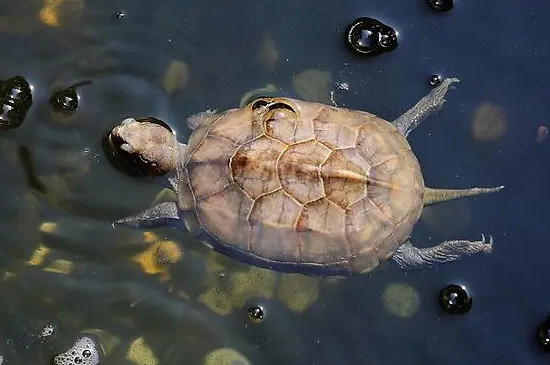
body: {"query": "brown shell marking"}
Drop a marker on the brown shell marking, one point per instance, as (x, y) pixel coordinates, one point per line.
(305, 183)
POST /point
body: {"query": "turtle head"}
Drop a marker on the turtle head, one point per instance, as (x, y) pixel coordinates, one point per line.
(146, 146)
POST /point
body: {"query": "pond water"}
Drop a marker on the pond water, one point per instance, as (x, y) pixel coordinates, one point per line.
(63, 265)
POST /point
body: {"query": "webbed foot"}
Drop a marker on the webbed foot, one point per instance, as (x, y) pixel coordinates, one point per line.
(409, 257)
(429, 104)
(165, 213)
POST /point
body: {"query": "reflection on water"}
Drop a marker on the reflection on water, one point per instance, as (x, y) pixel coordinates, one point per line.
(162, 297)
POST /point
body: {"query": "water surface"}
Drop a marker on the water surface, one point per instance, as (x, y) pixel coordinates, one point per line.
(60, 194)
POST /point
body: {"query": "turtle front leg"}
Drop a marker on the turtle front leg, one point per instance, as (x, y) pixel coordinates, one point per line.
(162, 214)
(429, 104)
(410, 257)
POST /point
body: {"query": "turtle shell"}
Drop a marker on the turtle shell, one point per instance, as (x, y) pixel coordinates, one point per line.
(302, 187)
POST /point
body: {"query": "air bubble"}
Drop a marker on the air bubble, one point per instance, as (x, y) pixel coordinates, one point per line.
(368, 36)
(435, 80)
(441, 5)
(256, 313)
(65, 101)
(543, 335)
(455, 299)
(15, 101)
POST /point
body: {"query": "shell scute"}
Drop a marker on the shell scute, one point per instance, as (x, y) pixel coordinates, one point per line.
(254, 166)
(322, 232)
(285, 126)
(224, 214)
(344, 175)
(272, 220)
(299, 170)
(366, 226)
(373, 145)
(386, 248)
(336, 129)
(207, 167)
(248, 128)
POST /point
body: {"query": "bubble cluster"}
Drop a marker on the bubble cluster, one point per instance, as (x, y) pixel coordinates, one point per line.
(15, 101)
(368, 36)
(47, 331)
(83, 352)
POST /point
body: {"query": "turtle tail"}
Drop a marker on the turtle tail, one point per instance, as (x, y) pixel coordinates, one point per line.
(433, 196)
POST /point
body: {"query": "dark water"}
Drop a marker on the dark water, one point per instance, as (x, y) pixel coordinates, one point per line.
(53, 170)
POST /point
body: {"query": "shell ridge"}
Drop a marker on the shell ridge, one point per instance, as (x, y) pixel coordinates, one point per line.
(321, 170)
(277, 167)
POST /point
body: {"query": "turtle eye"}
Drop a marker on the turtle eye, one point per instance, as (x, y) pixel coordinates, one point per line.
(281, 110)
(259, 103)
(155, 121)
(280, 105)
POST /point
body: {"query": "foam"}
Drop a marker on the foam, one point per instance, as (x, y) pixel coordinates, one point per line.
(83, 352)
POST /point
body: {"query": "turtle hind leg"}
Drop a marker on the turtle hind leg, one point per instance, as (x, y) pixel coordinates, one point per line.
(429, 104)
(409, 257)
(162, 214)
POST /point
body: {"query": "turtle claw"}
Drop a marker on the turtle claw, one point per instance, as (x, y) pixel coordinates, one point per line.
(488, 246)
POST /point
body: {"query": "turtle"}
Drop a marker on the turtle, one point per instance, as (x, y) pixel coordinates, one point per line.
(297, 186)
